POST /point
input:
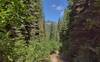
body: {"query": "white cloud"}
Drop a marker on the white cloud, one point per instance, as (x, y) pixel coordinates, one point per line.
(53, 5)
(61, 13)
(59, 8)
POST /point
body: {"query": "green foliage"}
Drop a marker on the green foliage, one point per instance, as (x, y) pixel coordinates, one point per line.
(9, 12)
(71, 2)
(36, 51)
(17, 51)
(66, 19)
(65, 27)
(14, 13)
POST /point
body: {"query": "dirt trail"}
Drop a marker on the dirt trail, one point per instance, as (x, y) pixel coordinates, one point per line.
(55, 57)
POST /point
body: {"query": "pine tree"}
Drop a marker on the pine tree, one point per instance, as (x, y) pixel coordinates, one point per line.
(83, 31)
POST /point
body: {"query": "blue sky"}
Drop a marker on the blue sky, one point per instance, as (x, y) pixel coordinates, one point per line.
(54, 9)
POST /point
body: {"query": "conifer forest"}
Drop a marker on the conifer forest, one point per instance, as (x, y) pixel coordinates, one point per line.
(25, 35)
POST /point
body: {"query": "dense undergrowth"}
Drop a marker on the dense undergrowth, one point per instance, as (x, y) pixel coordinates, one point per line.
(19, 24)
(34, 52)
